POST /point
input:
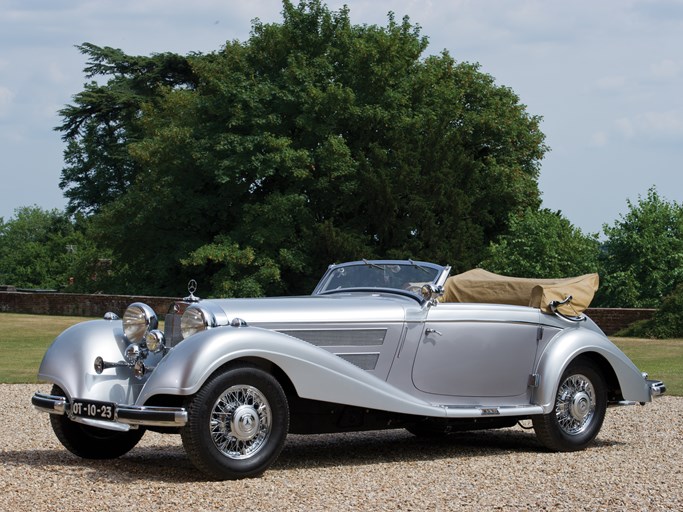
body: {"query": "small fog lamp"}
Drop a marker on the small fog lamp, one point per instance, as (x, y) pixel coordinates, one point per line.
(155, 341)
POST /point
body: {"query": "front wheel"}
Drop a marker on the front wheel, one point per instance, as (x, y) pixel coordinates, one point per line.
(579, 410)
(237, 424)
(92, 442)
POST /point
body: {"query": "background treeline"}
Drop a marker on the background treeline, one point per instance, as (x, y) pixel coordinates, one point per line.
(253, 167)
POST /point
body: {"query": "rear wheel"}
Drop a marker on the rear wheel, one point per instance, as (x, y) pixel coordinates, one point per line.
(92, 442)
(237, 424)
(579, 410)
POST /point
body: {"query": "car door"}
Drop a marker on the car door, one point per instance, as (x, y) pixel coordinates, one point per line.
(477, 350)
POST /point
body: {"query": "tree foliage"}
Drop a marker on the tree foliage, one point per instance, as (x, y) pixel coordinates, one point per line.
(543, 244)
(667, 322)
(46, 250)
(255, 166)
(104, 119)
(643, 256)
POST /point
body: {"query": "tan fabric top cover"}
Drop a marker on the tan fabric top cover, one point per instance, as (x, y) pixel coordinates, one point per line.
(479, 285)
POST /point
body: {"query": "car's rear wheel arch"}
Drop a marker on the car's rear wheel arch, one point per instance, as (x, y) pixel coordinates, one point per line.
(607, 372)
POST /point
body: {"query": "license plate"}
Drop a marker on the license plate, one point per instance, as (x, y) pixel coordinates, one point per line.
(94, 409)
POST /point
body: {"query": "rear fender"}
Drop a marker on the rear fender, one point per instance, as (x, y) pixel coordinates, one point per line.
(570, 344)
(315, 373)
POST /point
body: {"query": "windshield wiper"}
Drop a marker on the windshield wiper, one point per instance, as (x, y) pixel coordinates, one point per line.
(373, 265)
(424, 269)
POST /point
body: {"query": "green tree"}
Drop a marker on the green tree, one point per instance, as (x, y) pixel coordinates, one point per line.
(643, 257)
(103, 120)
(667, 322)
(317, 141)
(544, 244)
(45, 249)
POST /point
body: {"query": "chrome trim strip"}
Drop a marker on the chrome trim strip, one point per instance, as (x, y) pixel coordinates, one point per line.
(125, 414)
(476, 411)
(622, 403)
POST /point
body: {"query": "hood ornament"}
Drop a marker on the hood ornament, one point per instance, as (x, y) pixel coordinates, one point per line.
(191, 288)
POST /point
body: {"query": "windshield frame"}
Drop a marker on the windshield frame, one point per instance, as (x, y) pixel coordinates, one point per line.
(437, 277)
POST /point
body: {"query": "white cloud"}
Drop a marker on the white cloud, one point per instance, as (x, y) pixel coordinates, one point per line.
(667, 123)
(666, 68)
(599, 139)
(6, 97)
(56, 74)
(626, 127)
(610, 83)
(651, 125)
(603, 75)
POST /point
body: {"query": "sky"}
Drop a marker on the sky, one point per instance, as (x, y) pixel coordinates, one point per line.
(606, 77)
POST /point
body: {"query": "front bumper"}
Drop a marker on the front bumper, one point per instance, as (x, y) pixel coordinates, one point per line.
(150, 416)
(657, 387)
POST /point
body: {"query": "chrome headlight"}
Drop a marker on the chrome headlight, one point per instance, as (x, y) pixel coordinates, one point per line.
(137, 320)
(194, 320)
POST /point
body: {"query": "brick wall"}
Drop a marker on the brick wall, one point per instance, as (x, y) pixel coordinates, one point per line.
(73, 304)
(610, 320)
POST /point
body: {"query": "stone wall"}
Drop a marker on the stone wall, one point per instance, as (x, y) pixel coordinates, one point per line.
(610, 320)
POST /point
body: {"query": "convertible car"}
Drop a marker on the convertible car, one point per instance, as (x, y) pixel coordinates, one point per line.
(378, 344)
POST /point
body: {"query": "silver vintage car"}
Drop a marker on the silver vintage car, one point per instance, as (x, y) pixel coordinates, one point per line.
(379, 344)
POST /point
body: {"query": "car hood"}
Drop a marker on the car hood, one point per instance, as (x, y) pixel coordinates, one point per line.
(336, 308)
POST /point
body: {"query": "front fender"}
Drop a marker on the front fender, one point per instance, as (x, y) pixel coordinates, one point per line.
(571, 343)
(315, 373)
(69, 363)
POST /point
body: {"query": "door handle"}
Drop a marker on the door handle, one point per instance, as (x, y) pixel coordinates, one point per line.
(433, 331)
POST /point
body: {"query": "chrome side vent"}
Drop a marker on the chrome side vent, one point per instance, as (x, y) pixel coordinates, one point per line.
(366, 361)
(339, 337)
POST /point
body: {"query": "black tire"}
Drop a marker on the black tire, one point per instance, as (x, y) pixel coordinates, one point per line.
(579, 410)
(92, 442)
(237, 424)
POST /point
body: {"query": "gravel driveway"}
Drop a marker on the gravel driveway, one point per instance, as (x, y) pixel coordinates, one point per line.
(635, 464)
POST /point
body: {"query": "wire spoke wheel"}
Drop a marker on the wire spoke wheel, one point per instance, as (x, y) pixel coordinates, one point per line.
(575, 405)
(578, 411)
(241, 422)
(237, 423)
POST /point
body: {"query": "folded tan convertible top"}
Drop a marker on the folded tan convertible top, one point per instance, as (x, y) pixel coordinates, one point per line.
(479, 285)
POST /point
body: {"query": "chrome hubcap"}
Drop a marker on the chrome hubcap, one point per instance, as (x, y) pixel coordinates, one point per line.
(244, 423)
(575, 405)
(240, 422)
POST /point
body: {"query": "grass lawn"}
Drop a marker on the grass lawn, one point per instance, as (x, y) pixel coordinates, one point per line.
(24, 339)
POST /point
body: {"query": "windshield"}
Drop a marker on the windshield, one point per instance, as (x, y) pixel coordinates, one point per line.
(399, 275)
